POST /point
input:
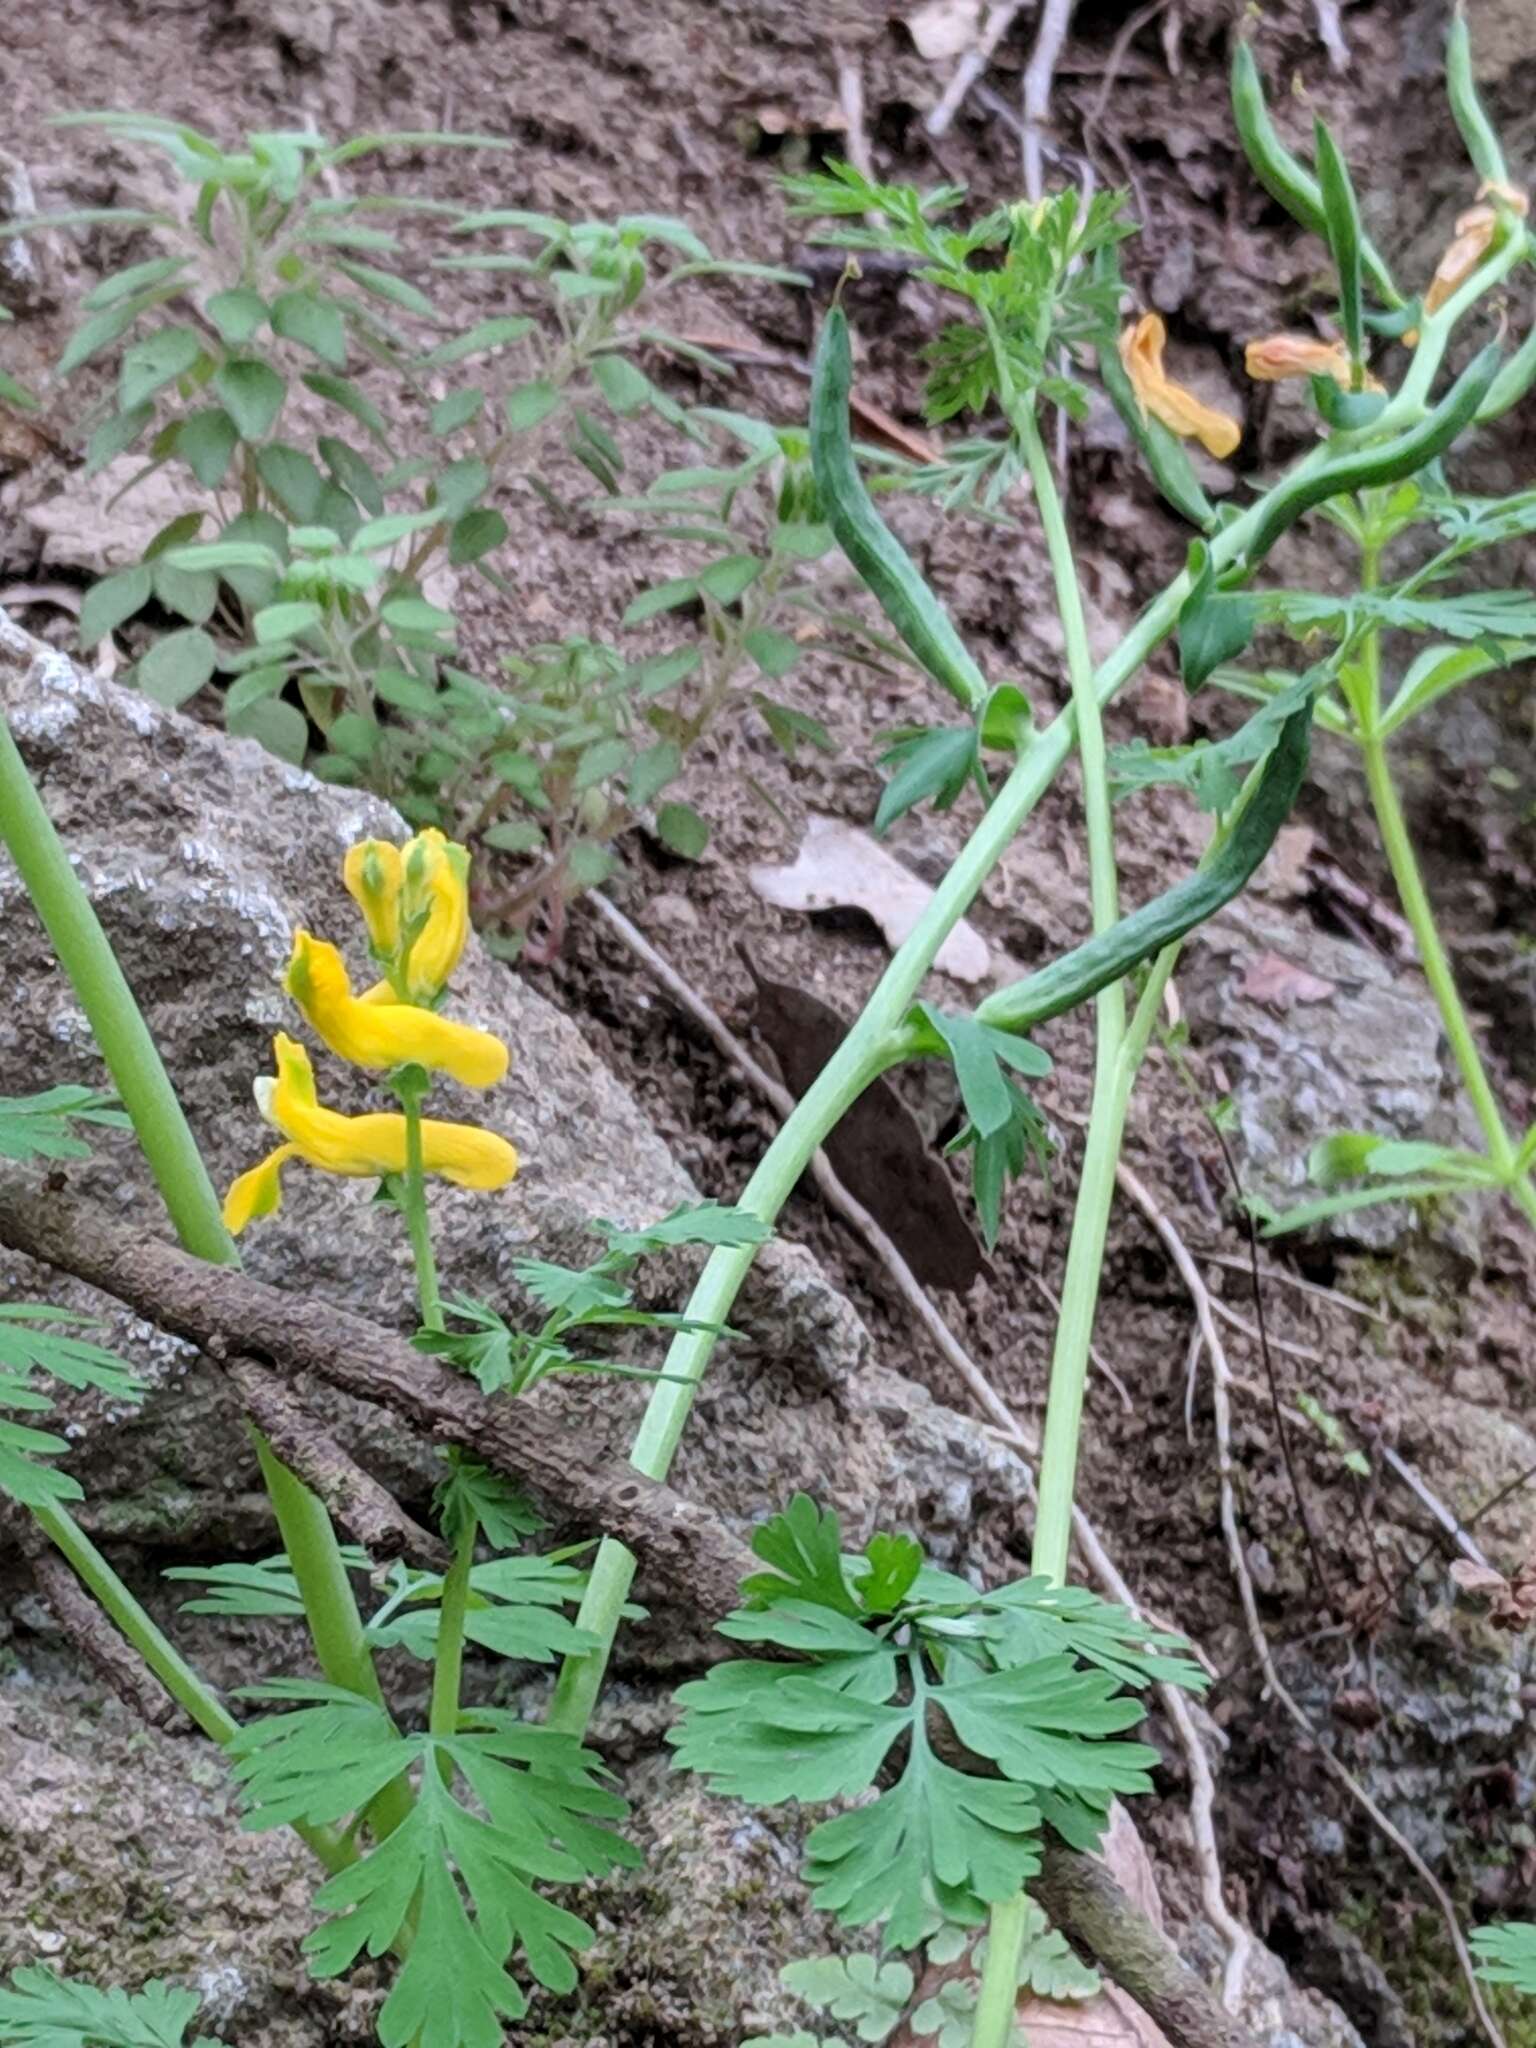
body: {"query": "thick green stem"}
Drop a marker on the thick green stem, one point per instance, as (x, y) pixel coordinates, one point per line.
(1103, 876)
(997, 1999)
(85, 953)
(161, 1656)
(860, 1056)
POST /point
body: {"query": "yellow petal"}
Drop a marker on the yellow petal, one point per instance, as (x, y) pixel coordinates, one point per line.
(385, 1034)
(437, 887)
(364, 1147)
(258, 1192)
(1141, 351)
(372, 873)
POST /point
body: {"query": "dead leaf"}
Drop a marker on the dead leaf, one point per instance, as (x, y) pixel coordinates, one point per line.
(1511, 1601)
(944, 28)
(1273, 979)
(1108, 2020)
(840, 867)
(877, 1151)
(885, 428)
(1285, 869)
(1124, 1854)
(827, 119)
(83, 528)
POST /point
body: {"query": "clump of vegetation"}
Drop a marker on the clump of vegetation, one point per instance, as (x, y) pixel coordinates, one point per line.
(956, 1732)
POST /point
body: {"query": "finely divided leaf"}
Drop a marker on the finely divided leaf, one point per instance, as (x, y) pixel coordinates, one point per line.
(41, 2010)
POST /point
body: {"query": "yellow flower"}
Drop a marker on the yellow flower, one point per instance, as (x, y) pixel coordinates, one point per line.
(380, 1032)
(1475, 230)
(415, 900)
(361, 1147)
(1141, 351)
(371, 872)
(436, 889)
(1279, 356)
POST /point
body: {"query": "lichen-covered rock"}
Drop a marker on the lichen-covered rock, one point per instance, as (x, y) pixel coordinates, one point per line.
(1345, 1043)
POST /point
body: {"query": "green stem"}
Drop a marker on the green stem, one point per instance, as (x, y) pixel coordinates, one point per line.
(195, 1698)
(858, 1059)
(1103, 876)
(448, 1661)
(133, 1060)
(448, 1667)
(1090, 1221)
(418, 1223)
(1407, 876)
(1397, 844)
(997, 2000)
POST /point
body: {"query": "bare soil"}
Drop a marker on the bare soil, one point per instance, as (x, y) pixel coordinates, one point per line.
(676, 106)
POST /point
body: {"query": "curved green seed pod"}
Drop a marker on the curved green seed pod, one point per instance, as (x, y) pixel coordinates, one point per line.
(1083, 972)
(1389, 463)
(1284, 176)
(881, 560)
(1477, 131)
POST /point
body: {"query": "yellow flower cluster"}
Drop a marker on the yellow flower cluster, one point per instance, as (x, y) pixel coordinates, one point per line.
(415, 903)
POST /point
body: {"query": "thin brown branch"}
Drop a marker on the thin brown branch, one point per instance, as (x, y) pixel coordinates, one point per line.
(363, 1507)
(972, 65)
(229, 1314)
(1082, 1898)
(88, 1628)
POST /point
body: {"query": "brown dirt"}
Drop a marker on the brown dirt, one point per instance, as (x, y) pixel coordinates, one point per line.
(657, 105)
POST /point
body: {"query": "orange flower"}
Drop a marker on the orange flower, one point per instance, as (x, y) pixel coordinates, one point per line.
(1475, 230)
(1279, 356)
(1141, 351)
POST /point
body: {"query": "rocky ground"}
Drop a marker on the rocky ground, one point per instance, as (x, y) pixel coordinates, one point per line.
(1301, 1004)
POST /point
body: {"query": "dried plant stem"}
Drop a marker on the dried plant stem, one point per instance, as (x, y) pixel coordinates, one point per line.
(1221, 1400)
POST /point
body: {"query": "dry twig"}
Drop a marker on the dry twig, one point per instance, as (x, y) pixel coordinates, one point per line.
(1221, 1401)
(1039, 77)
(975, 61)
(88, 1628)
(357, 1500)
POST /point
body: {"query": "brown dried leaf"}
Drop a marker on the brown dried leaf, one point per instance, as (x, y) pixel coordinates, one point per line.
(1273, 979)
(840, 867)
(1511, 1601)
(1124, 1855)
(877, 1151)
(1109, 2020)
(884, 427)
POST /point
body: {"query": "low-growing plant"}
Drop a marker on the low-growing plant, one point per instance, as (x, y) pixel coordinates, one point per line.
(956, 1729)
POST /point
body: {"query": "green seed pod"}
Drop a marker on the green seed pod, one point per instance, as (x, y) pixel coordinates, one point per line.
(1476, 130)
(1284, 176)
(870, 546)
(1512, 382)
(1388, 463)
(1094, 965)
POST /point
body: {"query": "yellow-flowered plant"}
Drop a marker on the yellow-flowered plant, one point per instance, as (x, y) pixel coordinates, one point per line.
(415, 903)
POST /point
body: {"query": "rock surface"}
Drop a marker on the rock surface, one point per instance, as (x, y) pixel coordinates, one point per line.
(1321, 1035)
